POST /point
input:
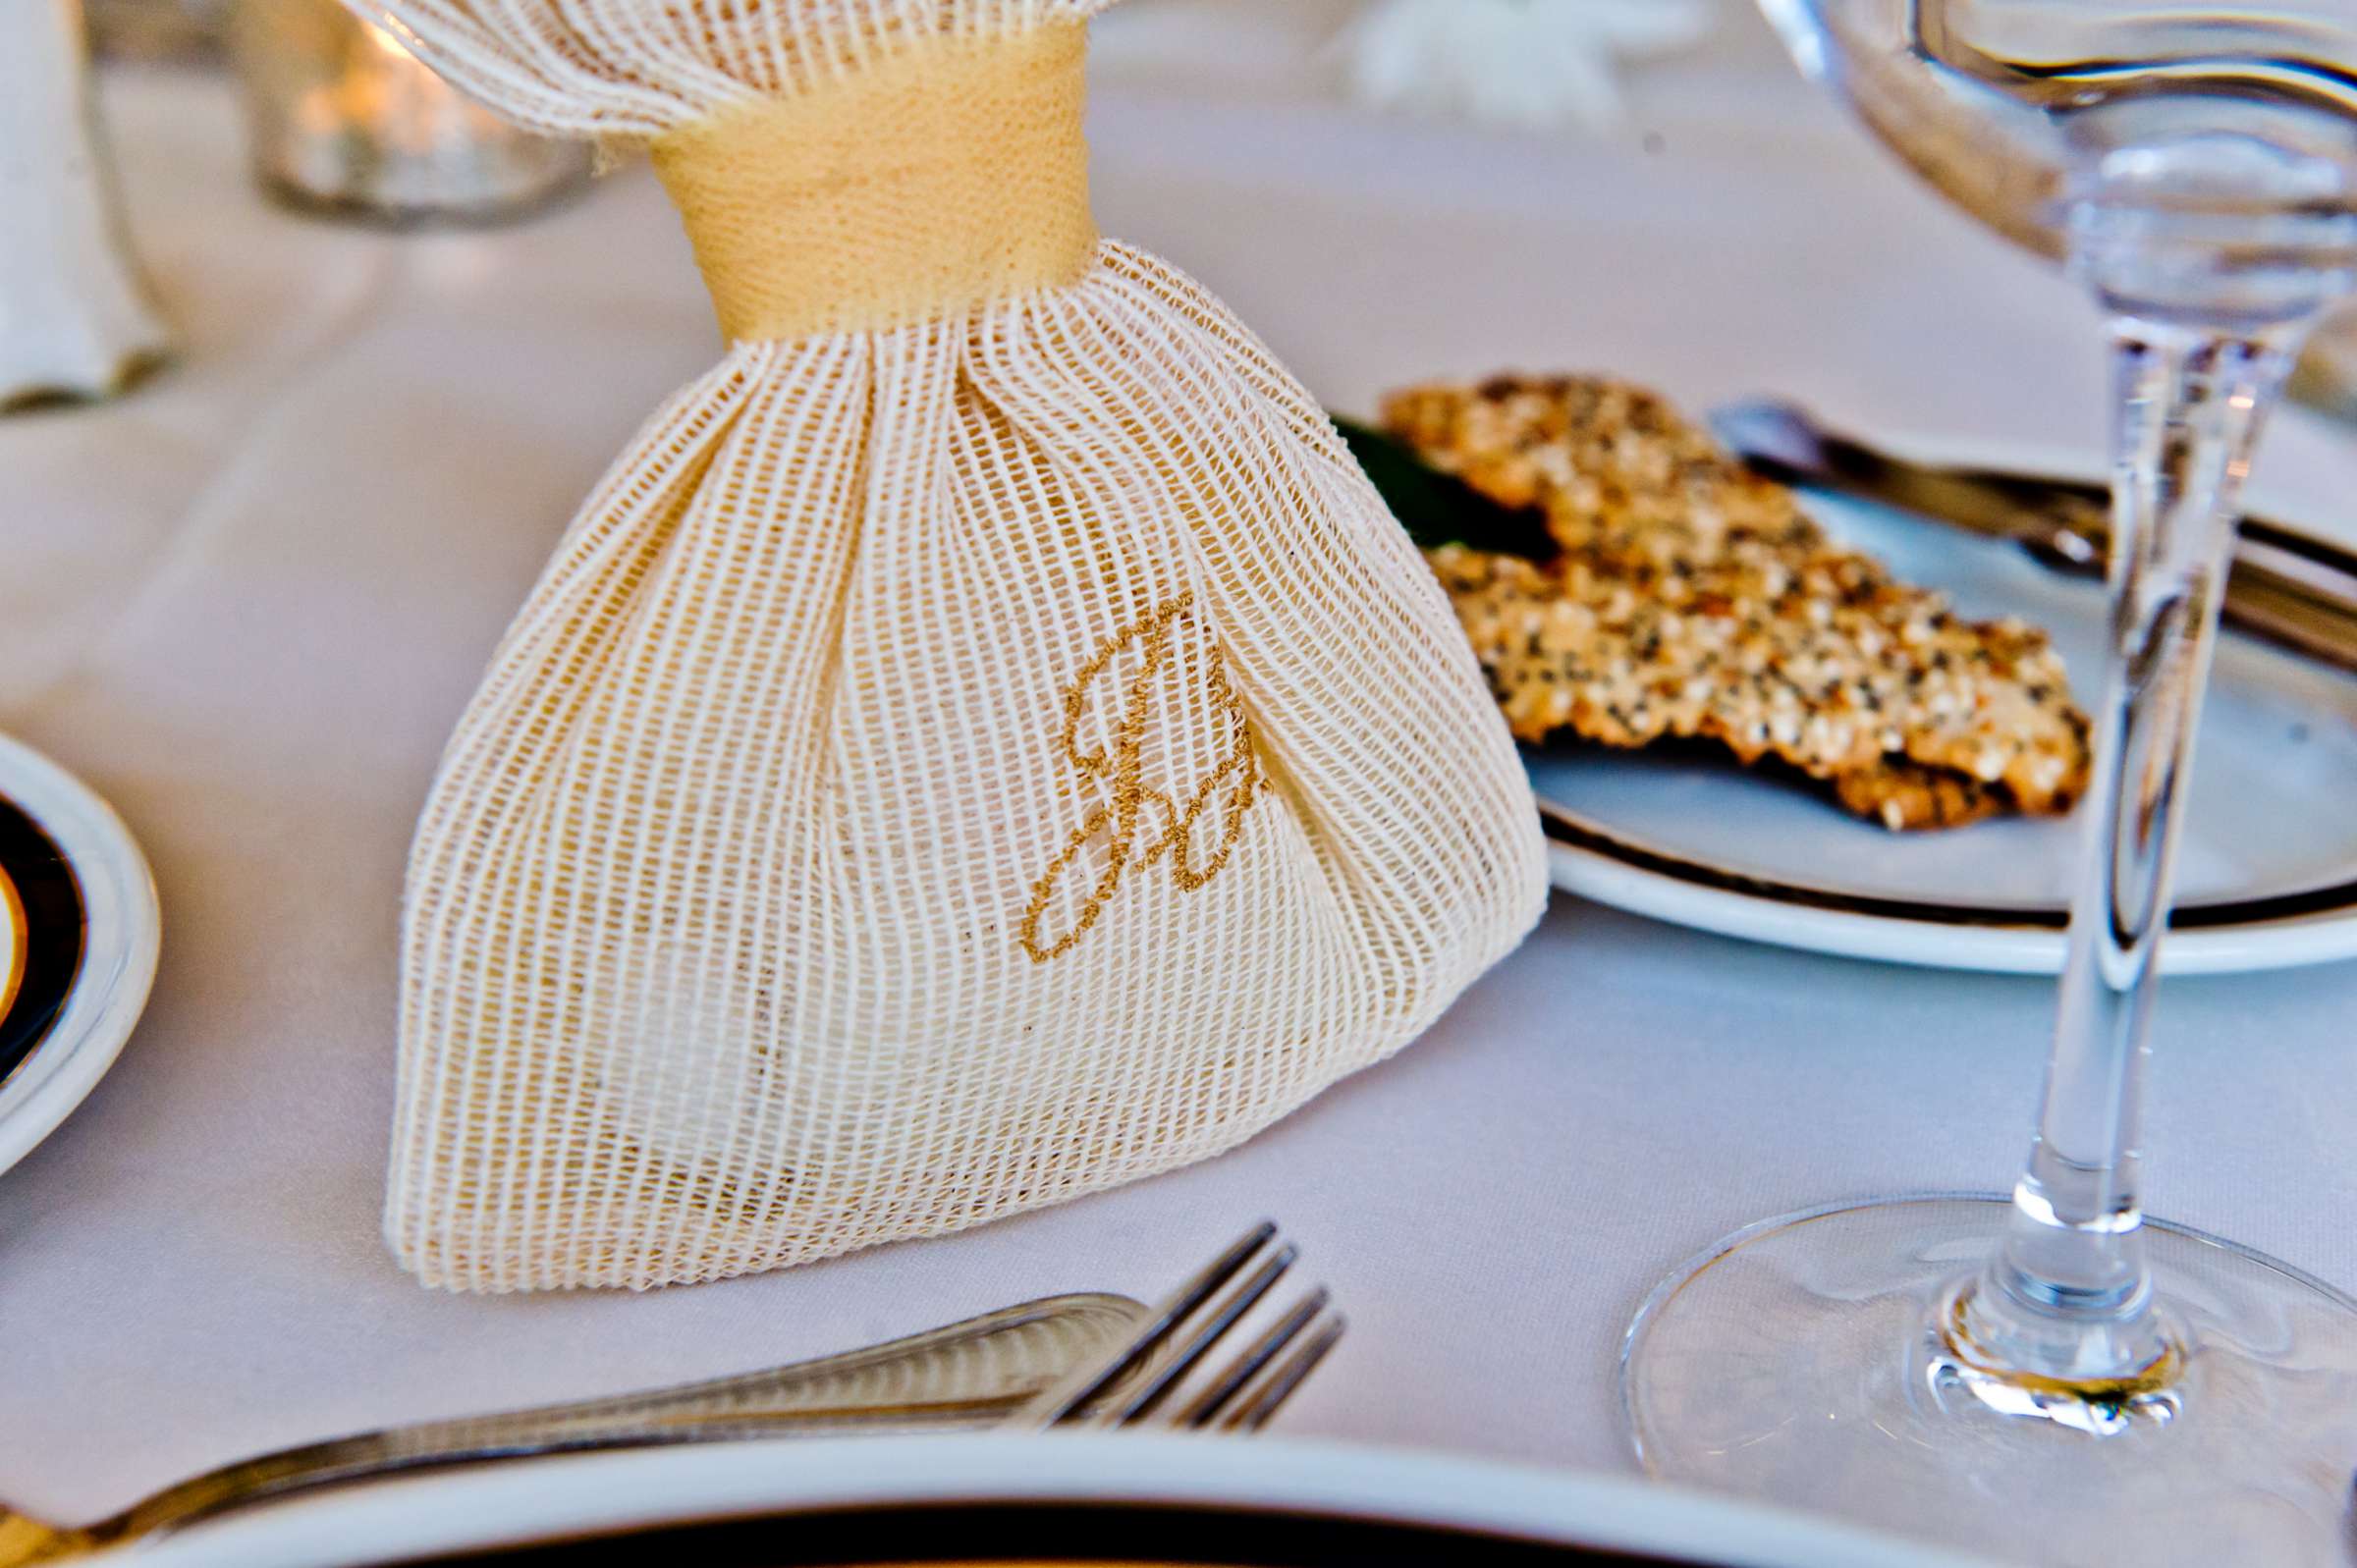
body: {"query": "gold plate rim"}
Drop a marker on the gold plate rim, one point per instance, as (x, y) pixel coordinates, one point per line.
(15, 930)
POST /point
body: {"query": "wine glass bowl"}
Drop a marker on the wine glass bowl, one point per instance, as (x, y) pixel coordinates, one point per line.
(2047, 1373)
(2217, 137)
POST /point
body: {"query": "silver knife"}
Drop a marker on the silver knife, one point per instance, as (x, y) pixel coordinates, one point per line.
(2291, 588)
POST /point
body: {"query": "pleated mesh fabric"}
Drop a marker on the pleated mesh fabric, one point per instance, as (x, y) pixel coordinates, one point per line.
(947, 768)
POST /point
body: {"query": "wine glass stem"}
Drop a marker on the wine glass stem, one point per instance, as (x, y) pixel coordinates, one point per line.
(2067, 1296)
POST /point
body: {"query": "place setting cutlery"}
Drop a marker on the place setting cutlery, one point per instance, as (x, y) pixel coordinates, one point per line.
(2287, 586)
(1083, 1361)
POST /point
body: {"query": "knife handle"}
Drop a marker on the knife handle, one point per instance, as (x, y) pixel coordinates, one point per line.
(2268, 606)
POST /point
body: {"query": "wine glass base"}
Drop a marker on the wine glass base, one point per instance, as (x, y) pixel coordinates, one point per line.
(1801, 1361)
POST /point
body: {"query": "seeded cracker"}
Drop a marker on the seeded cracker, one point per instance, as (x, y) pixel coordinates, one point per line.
(1694, 600)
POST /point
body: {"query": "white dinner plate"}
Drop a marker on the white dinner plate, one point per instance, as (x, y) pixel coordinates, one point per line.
(1106, 1498)
(79, 936)
(2267, 876)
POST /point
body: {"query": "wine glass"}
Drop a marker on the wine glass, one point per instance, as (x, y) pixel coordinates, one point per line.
(2049, 1375)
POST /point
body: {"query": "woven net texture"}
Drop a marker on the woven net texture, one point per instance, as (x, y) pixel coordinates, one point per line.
(947, 767)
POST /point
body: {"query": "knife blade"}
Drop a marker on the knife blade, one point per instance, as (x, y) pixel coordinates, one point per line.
(2290, 588)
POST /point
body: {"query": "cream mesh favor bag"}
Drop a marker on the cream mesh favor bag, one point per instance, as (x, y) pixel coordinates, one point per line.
(982, 742)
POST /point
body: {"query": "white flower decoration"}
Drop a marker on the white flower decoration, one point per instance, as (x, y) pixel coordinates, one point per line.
(1535, 64)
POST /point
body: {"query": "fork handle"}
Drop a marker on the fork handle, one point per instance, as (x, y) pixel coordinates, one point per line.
(438, 1445)
(969, 1375)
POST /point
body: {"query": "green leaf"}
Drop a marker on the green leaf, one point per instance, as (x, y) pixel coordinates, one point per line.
(1439, 508)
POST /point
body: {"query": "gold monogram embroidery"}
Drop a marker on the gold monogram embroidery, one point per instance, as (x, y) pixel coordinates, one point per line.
(1121, 764)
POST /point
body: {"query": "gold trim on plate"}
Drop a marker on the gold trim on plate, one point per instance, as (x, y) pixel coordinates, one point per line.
(20, 929)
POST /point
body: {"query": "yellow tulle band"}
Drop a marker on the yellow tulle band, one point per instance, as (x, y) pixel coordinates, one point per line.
(948, 176)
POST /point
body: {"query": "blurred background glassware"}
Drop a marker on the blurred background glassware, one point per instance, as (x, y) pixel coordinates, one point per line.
(346, 121)
(2049, 1375)
(156, 31)
(75, 318)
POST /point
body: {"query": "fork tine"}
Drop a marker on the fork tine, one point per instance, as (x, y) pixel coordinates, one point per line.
(1223, 1389)
(1061, 1401)
(1141, 1401)
(1253, 1411)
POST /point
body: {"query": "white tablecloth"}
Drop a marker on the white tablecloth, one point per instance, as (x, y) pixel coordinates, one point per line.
(247, 603)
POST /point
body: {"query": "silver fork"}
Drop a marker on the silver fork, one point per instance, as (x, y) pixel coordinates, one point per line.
(975, 1374)
(1133, 1386)
(1005, 1367)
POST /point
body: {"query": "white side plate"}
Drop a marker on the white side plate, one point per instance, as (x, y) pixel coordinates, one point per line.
(121, 935)
(2266, 875)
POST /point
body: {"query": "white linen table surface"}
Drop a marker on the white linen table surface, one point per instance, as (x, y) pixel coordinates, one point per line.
(247, 603)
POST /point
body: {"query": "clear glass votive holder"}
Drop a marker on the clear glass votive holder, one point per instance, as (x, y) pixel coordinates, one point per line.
(346, 121)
